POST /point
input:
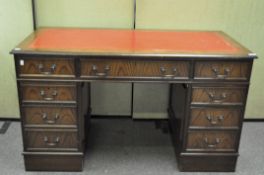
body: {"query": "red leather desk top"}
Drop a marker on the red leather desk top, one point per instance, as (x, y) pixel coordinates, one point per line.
(130, 41)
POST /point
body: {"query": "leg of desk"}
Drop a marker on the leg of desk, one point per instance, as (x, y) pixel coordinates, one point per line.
(84, 113)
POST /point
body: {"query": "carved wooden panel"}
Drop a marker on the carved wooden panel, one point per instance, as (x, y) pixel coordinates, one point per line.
(46, 67)
(218, 95)
(48, 92)
(222, 70)
(49, 116)
(127, 68)
(57, 140)
(215, 117)
(211, 140)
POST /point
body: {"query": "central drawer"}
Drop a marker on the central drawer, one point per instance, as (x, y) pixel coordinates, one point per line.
(51, 140)
(117, 68)
(48, 92)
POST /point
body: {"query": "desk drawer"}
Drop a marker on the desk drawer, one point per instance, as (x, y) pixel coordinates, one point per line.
(130, 68)
(48, 92)
(219, 95)
(49, 116)
(163, 69)
(215, 117)
(46, 67)
(212, 140)
(51, 140)
(222, 70)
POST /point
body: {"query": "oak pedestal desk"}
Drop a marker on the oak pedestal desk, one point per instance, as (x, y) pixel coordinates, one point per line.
(208, 73)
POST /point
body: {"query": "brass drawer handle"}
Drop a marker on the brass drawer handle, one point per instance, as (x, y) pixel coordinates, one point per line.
(46, 97)
(55, 142)
(101, 74)
(217, 98)
(211, 144)
(45, 118)
(163, 71)
(221, 76)
(216, 120)
(51, 69)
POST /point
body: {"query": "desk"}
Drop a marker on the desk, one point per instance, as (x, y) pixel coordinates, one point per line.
(208, 73)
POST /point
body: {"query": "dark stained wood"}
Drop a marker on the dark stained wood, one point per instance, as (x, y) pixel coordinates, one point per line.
(209, 84)
(104, 68)
(48, 92)
(215, 117)
(222, 70)
(218, 95)
(53, 162)
(84, 114)
(49, 116)
(169, 69)
(211, 141)
(45, 67)
(207, 163)
(132, 68)
(51, 140)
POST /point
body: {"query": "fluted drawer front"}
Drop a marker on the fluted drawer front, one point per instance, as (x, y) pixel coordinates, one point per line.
(46, 67)
(126, 68)
(51, 140)
(222, 70)
(218, 95)
(48, 92)
(212, 141)
(215, 117)
(51, 116)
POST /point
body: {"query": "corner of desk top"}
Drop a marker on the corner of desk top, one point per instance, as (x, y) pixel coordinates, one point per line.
(252, 55)
(15, 50)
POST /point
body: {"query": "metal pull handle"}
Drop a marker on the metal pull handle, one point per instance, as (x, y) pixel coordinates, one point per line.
(46, 97)
(101, 74)
(217, 98)
(163, 71)
(51, 69)
(211, 144)
(45, 118)
(51, 143)
(215, 120)
(221, 76)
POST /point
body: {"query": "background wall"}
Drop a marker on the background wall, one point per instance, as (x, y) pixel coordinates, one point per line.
(15, 25)
(240, 19)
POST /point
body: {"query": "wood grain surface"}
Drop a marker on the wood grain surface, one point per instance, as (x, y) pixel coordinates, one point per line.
(46, 67)
(212, 140)
(133, 68)
(37, 116)
(215, 117)
(222, 70)
(51, 140)
(48, 92)
(218, 95)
